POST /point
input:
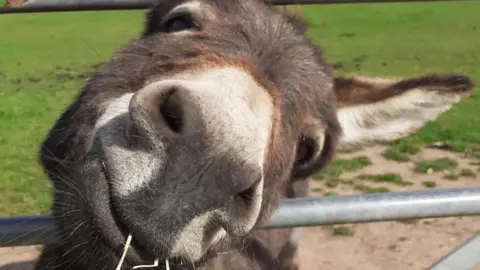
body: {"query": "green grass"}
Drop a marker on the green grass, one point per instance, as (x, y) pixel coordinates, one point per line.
(350, 149)
(437, 165)
(451, 176)
(393, 154)
(331, 175)
(368, 189)
(340, 166)
(340, 230)
(332, 183)
(467, 173)
(429, 184)
(475, 163)
(408, 221)
(330, 193)
(43, 61)
(402, 239)
(407, 39)
(347, 182)
(400, 151)
(392, 247)
(45, 57)
(392, 178)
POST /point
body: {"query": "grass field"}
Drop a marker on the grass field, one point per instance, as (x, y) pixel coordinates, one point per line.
(44, 59)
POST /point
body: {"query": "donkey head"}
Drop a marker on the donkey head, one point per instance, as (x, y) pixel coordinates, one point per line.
(187, 137)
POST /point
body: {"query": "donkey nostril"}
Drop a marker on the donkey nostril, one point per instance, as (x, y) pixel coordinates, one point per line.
(171, 111)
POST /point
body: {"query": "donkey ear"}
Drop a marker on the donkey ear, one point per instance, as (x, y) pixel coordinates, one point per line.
(385, 109)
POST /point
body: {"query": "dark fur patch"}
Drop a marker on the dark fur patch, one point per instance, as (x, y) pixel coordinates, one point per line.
(352, 91)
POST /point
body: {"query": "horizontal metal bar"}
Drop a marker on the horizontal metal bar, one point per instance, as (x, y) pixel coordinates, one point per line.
(377, 207)
(61, 6)
(26, 230)
(464, 257)
(299, 212)
(77, 6)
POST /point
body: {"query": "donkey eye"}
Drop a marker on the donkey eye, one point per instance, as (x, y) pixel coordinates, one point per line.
(305, 150)
(178, 23)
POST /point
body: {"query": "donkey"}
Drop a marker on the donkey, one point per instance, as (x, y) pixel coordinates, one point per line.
(188, 137)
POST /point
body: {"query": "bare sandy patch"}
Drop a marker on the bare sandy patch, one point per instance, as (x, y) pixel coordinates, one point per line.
(390, 245)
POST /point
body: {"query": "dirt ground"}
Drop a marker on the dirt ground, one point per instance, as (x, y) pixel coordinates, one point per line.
(391, 245)
(373, 246)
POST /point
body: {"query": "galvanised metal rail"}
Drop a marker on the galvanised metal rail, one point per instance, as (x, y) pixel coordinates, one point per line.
(33, 230)
(302, 212)
(377, 207)
(315, 211)
(92, 5)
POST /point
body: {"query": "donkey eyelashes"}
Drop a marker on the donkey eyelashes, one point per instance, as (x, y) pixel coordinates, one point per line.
(179, 21)
(181, 18)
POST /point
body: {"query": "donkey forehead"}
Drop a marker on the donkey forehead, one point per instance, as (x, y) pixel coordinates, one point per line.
(250, 33)
(242, 22)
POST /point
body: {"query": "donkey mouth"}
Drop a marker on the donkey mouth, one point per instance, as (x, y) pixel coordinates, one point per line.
(114, 232)
(116, 236)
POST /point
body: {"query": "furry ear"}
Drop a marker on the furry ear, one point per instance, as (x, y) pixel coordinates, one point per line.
(385, 109)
